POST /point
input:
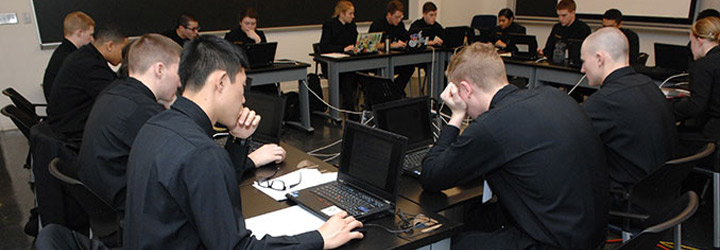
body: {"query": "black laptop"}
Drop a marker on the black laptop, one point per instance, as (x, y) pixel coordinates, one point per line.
(367, 181)
(455, 36)
(377, 89)
(525, 46)
(672, 57)
(411, 118)
(574, 47)
(260, 55)
(271, 110)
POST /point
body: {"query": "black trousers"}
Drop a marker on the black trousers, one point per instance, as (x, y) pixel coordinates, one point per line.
(404, 74)
(59, 237)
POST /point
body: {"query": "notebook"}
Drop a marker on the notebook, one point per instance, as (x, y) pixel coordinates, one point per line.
(271, 110)
(366, 43)
(526, 46)
(260, 55)
(367, 182)
(411, 118)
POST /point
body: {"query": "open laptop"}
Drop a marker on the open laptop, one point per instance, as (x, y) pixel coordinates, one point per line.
(411, 118)
(574, 47)
(377, 89)
(526, 46)
(272, 110)
(418, 38)
(366, 43)
(480, 35)
(260, 55)
(455, 36)
(367, 181)
(672, 57)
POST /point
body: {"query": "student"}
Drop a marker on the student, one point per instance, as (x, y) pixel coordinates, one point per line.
(629, 112)
(78, 29)
(182, 187)
(536, 149)
(186, 29)
(704, 103)
(569, 27)
(339, 35)
(613, 18)
(81, 78)
(707, 13)
(394, 29)
(433, 30)
(506, 26)
(247, 32)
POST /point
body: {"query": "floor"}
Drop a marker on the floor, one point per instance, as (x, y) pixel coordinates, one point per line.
(16, 199)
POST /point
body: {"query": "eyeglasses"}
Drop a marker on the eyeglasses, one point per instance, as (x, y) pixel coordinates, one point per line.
(279, 185)
(193, 28)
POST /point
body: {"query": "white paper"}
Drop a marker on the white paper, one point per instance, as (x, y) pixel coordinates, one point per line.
(310, 178)
(487, 193)
(287, 221)
(335, 55)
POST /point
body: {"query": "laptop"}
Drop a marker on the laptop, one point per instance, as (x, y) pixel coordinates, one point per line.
(368, 176)
(480, 35)
(271, 110)
(377, 89)
(672, 57)
(455, 36)
(260, 55)
(366, 43)
(525, 46)
(574, 47)
(410, 118)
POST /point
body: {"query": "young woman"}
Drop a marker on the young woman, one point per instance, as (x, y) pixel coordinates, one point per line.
(339, 35)
(506, 25)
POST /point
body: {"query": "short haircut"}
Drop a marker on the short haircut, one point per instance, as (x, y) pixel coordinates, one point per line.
(109, 32)
(429, 6)
(507, 13)
(478, 63)
(249, 12)
(610, 40)
(341, 7)
(613, 14)
(184, 19)
(77, 20)
(395, 5)
(566, 5)
(707, 13)
(150, 49)
(206, 54)
(707, 28)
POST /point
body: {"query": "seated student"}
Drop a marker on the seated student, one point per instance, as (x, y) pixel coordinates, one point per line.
(536, 149)
(434, 31)
(78, 29)
(704, 103)
(569, 27)
(81, 78)
(186, 29)
(506, 26)
(629, 112)
(613, 18)
(339, 35)
(394, 29)
(182, 187)
(247, 32)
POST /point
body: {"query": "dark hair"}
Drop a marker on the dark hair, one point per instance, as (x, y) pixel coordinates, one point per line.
(184, 19)
(249, 12)
(108, 32)
(506, 13)
(429, 6)
(124, 70)
(205, 54)
(395, 5)
(613, 14)
(707, 13)
(566, 5)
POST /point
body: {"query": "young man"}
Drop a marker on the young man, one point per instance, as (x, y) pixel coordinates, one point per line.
(247, 32)
(182, 187)
(536, 149)
(186, 30)
(613, 18)
(569, 27)
(432, 29)
(78, 29)
(81, 78)
(394, 29)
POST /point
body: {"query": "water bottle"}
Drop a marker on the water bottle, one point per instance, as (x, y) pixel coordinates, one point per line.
(387, 45)
(559, 53)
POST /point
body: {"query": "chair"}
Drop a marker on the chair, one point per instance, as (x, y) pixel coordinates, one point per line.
(713, 170)
(680, 210)
(23, 121)
(487, 22)
(104, 219)
(23, 103)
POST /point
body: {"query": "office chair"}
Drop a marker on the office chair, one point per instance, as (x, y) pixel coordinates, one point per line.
(487, 22)
(23, 121)
(23, 103)
(104, 219)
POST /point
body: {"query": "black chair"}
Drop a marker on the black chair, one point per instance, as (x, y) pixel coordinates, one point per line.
(642, 59)
(104, 219)
(672, 216)
(487, 22)
(23, 103)
(23, 121)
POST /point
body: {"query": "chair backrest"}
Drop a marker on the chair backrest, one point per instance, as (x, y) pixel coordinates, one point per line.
(484, 22)
(642, 58)
(20, 101)
(104, 219)
(674, 214)
(20, 118)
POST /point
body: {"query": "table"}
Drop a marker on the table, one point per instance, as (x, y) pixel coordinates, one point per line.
(543, 73)
(282, 72)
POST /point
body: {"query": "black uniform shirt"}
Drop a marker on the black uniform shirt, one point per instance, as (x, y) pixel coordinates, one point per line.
(395, 33)
(541, 157)
(336, 36)
(636, 124)
(183, 191)
(502, 34)
(172, 34)
(634, 44)
(429, 31)
(704, 103)
(56, 60)
(81, 78)
(238, 36)
(577, 30)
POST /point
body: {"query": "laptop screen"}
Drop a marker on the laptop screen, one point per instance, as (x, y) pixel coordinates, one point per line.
(367, 42)
(271, 110)
(371, 159)
(408, 117)
(260, 54)
(671, 56)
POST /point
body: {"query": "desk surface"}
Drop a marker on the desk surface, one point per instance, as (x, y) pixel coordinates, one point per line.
(544, 64)
(278, 66)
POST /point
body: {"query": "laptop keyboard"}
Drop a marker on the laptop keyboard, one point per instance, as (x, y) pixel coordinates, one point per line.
(414, 159)
(353, 201)
(254, 145)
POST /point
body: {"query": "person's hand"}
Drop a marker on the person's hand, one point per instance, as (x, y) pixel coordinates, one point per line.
(253, 35)
(540, 52)
(266, 154)
(246, 124)
(451, 97)
(398, 44)
(437, 41)
(350, 47)
(500, 44)
(336, 230)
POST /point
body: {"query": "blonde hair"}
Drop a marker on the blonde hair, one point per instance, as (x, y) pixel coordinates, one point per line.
(152, 48)
(342, 6)
(478, 63)
(77, 21)
(707, 28)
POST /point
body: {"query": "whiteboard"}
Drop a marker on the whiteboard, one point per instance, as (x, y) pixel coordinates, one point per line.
(654, 8)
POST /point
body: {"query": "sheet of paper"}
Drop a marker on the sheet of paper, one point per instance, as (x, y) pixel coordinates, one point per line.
(287, 221)
(310, 178)
(487, 193)
(335, 55)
